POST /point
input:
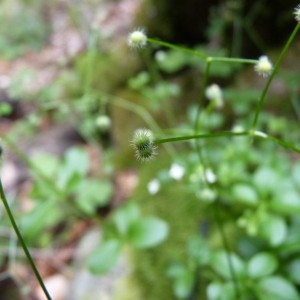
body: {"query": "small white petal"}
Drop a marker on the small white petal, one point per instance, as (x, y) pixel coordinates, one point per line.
(153, 186)
(176, 171)
(210, 176)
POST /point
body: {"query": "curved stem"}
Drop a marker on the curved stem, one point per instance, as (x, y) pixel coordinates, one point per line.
(22, 242)
(270, 79)
(180, 48)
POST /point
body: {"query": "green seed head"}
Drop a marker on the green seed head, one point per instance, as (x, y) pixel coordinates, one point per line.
(143, 143)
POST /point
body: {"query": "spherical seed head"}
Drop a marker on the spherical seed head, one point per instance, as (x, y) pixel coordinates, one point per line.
(297, 13)
(263, 66)
(137, 39)
(143, 143)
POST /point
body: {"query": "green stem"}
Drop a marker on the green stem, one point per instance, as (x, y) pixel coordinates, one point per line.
(22, 242)
(91, 57)
(270, 79)
(202, 94)
(279, 142)
(140, 111)
(201, 136)
(233, 60)
(180, 48)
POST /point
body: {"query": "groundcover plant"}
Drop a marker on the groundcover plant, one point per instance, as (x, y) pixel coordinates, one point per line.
(242, 174)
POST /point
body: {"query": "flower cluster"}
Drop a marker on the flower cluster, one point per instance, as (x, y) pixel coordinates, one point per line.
(263, 66)
(143, 143)
(137, 39)
(297, 13)
(214, 94)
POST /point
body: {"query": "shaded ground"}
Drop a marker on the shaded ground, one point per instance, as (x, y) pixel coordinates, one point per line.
(60, 265)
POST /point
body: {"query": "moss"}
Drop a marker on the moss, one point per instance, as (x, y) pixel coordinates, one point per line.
(183, 213)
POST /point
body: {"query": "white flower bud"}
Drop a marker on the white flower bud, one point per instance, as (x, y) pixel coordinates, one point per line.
(263, 66)
(137, 39)
(103, 123)
(214, 94)
(297, 13)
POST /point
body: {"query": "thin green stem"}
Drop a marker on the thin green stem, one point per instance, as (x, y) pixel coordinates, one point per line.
(142, 112)
(233, 60)
(201, 136)
(202, 94)
(90, 61)
(270, 79)
(180, 48)
(277, 141)
(22, 242)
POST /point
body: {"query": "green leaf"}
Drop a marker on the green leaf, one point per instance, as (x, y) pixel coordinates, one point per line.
(46, 164)
(171, 61)
(183, 279)
(175, 269)
(287, 202)
(42, 215)
(5, 109)
(198, 250)
(296, 173)
(293, 270)
(276, 288)
(220, 263)
(219, 291)
(274, 229)
(104, 257)
(147, 232)
(265, 179)
(261, 265)
(75, 164)
(183, 284)
(245, 194)
(125, 216)
(92, 194)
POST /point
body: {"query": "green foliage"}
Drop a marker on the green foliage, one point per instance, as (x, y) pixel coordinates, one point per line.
(126, 227)
(63, 189)
(222, 221)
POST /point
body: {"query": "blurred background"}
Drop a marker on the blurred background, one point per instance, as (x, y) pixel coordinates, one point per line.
(72, 93)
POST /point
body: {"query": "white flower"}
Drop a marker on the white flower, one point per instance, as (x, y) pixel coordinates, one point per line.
(176, 171)
(214, 94)
(263, 66)
(297, 13)
(210, 176)
(207, 195)
(137, 39)
(153, 186)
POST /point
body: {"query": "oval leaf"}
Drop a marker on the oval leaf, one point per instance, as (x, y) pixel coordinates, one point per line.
(245, 194)
(276, 288)
(274, 229)
(104, 257)
(147, 232)
(220, 263)
(262, 264)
